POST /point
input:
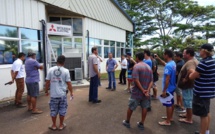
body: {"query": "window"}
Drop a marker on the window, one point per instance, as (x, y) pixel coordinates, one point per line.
(67, 21)
(55, 20)
(112, 50)
(56, 43)
(8, 51)
(77, 27)
(31, 42)
(99, 51)
(106, 51)
(78, 44)
(106, 42)
(6, 31)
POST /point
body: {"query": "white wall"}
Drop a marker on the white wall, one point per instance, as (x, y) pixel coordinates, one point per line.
(8, 91)
(22, 13)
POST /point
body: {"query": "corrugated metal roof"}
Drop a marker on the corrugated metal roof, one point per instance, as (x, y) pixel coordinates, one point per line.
(107, 11)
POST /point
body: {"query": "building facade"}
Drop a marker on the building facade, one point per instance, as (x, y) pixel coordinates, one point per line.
(72, 28)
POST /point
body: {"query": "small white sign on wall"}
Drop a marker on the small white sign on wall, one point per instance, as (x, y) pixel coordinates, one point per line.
(57, 29)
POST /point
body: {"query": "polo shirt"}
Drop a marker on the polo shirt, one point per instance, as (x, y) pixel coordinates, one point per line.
(110, 64)
(31, 69)
(18, 66)
(124, 62)
(204, 86)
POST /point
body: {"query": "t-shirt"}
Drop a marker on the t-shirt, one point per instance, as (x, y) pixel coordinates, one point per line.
(130, 64)
(142, 72)
(110, 64)
(18, 66)
(31, 69)
(148, 62)
(92, 60)
(191, 64)
(179, 65)
(170, 69)
(124, 62)
(99, 63)
(204, 86)
(58, 77)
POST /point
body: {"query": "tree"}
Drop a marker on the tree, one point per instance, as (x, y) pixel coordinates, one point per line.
(169, 20)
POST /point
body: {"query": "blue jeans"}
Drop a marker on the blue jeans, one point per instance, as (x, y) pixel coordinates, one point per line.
(93, 93)
(111, 79)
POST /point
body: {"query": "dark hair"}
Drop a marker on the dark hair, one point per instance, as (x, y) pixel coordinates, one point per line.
(21, 55)
(61, 59)
(178, 54)
(93, 49)
(140, 56)
(169, 53)
(147, 52)
(153, 55)
(190, 51)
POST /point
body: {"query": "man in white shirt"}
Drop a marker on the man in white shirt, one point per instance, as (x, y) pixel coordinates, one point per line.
(99, 67)
(122, 78)
(18, 74)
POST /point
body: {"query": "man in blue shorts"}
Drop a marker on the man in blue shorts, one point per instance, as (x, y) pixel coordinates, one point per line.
(143, 81)
(58, 80)
(168, 84)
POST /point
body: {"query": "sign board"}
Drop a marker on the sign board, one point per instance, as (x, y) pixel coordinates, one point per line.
(57, 29)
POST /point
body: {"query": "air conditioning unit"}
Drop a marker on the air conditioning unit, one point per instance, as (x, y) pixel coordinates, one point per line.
(78, 74)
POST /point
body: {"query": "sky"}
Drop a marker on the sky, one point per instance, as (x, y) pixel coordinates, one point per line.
(206, 2)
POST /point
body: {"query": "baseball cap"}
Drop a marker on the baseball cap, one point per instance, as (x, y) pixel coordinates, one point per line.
(31, 54)
(207, 47)
(128, 53)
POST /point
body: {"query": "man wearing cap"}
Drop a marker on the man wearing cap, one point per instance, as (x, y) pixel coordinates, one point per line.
(204, 87)
(32, 81)
(18, 74)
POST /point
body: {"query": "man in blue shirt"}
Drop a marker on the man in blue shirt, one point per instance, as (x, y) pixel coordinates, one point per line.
(32, 81)
(111, 65)
(147, 58)
(168, 84)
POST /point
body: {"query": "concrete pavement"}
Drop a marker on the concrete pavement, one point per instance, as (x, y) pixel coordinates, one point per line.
(87, 118)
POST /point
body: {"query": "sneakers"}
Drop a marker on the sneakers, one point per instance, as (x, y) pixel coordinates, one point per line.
(97, 101)
(126, 123)
(140, 125)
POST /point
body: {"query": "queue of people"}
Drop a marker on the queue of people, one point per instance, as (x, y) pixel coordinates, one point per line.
(191, 80)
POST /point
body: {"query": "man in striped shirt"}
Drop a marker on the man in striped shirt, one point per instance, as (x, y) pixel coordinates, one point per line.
(143, 81)
(204, 87)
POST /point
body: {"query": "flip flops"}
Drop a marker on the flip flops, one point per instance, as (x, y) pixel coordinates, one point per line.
(164, 123)
(182, 115)
(64, 125)
(164, 117)
(182, 120)
(52, 128)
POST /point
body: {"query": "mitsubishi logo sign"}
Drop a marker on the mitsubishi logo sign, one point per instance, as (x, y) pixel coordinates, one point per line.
(52, 28)
(56, 29)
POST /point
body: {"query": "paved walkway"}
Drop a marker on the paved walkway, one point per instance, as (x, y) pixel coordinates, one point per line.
(86, 118)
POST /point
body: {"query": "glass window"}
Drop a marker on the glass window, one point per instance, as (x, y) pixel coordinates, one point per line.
(118, 44)
(55, 20)
(29, 34)
(118, 53)
(99, 50)
(77, 27)
(97, 42)
(106, 42)
(127, 50)
(8, 51)
(31, 46)
(106, 51)
(92, 41)
(122, 44)
(112, 50)
(112, 43)
(56, 43)
(67, 21)
(7, 31)
(67, 44)
(78, 43)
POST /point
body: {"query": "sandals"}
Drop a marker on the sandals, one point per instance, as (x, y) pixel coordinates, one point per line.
(64, 125)
(164, 117)
(52, 128)
(164, 123)
(182, 115)
(182, 120)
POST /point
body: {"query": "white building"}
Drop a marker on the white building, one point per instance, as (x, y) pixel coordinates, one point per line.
(82, 25)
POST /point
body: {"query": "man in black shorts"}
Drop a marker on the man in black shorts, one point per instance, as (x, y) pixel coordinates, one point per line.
(204, 88)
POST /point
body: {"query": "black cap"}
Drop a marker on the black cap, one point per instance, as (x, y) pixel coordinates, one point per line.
(207, 47)
(30, 54)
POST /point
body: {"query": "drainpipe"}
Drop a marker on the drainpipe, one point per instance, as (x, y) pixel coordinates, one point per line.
(88, 51)
(44, 46)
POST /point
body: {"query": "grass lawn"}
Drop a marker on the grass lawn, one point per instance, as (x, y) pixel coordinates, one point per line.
(105, 75)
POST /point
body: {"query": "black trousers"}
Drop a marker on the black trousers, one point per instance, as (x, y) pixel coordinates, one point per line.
(122, 78)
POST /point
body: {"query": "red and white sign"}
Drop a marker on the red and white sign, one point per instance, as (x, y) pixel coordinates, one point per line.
(57, 29)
